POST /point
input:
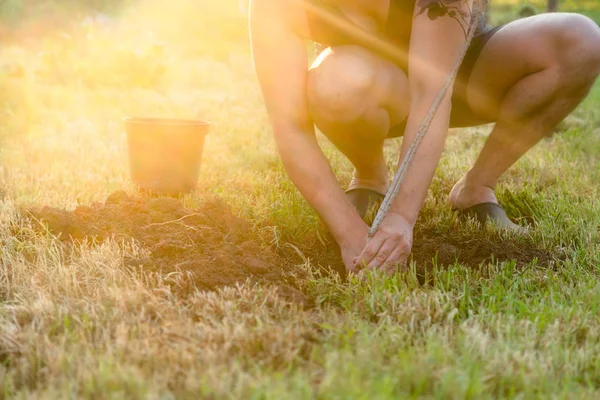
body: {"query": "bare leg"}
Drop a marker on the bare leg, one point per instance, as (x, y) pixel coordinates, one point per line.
(565, 61)
(355, 98)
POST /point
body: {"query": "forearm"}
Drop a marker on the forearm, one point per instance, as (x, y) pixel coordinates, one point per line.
(309, 170)
(437, 41)
(418, 178)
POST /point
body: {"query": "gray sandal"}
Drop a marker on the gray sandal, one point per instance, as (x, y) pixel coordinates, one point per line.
(362, 199)
(495, 213)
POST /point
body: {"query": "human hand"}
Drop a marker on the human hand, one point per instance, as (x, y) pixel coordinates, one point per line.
(352, 245)
(389, 248)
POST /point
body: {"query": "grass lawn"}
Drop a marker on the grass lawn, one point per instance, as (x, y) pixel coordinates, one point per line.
(78, 321)
(506, 10)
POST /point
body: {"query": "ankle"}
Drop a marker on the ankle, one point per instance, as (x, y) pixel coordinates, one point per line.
(467, 193)
(473, 180)
(373, 178)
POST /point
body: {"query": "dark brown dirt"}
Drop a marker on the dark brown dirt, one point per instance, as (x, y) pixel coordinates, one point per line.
(213, 245)
(473, 251)
(217, 248)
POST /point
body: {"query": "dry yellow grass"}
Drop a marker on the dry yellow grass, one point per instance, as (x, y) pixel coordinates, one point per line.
(76, 323)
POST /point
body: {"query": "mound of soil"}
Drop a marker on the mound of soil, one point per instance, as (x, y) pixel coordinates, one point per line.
(213, 245)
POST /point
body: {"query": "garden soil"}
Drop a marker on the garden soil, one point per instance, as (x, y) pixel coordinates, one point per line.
(211, 245)
(216, 248)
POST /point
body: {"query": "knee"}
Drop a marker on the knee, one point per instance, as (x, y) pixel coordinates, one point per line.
(342, 84)
(578, 39)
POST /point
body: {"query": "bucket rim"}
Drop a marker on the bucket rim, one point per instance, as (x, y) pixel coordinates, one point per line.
(165, 121)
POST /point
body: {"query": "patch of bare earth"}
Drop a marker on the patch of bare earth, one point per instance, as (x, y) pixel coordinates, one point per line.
(214, 247)
(217, 248)
(473, 250)
(477, 251)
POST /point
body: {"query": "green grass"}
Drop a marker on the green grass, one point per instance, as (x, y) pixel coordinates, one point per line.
(506, 10)
(81, 325)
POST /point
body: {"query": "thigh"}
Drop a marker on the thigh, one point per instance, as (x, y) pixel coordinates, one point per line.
(520, 48)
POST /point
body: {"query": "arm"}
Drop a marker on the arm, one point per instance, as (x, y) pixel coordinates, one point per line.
(435, 47)
(282, 67)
